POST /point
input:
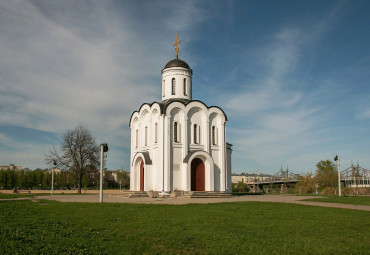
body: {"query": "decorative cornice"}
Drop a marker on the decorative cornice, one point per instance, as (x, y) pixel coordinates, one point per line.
(173, 71)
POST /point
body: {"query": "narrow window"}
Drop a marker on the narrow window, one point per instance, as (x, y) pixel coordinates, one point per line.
(213, 135)
(175, 132)
(163, 88)
(156, 133)
(146, 136)
(137, 138)
(198, 135)
(185, 87)
(173, 86)
(190, 86)
(195, 133)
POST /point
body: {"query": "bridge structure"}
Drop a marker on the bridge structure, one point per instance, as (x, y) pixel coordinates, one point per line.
(283, 178)
(355, 176)
(352, 177)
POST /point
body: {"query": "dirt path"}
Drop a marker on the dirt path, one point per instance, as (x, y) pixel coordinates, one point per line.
(179, 201)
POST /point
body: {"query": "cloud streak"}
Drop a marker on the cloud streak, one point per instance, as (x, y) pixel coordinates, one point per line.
(280, 119)
(64, 64)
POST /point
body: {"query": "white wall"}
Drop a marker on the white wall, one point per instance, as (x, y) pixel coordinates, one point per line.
(167, 156)
(179, 74)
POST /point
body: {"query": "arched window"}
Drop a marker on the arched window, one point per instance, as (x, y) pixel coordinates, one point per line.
(163, 88)
(214, 135)
(195, 133)
(156, 133)
(190, 86)
(137, 138)
(175, 132)
(146, 136)
(185, 87)
(173, 86)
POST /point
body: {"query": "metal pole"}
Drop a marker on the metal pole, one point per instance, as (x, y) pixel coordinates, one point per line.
(101, 173)
(52, 181)
(339, 186)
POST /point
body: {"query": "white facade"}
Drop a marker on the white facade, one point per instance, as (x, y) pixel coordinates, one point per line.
(179, 143)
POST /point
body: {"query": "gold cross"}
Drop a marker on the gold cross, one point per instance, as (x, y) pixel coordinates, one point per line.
(176, 49)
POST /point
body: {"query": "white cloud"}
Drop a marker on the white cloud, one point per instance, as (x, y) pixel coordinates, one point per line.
(364, 114)
(82, 63)
(279, 119)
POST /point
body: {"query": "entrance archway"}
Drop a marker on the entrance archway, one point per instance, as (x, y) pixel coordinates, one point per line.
(142, 176)
(197, 175)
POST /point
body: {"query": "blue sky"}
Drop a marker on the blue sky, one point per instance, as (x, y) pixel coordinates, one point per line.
(292, 76)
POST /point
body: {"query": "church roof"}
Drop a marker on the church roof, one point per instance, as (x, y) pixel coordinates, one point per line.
(164, 104)
(169, 101)
(176, 63)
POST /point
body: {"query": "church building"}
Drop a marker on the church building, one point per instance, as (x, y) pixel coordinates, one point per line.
(179, 143)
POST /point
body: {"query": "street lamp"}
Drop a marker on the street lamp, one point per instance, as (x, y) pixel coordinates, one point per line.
(336, 158)
(52, 177)
(103, 148)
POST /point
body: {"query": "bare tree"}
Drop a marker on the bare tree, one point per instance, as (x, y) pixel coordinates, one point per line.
(78, 154)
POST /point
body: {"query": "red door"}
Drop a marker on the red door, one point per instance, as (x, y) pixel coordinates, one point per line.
(142, 176)
(197, 175)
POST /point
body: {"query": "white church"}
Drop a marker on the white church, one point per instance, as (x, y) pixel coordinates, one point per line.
(179, 143)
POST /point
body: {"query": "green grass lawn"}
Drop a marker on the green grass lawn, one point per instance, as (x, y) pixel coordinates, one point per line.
(354, 200)
(50, 227)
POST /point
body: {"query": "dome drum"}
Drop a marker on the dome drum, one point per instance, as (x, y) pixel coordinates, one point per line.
(177, 80)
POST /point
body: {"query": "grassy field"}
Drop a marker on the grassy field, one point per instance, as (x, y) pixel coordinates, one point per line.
(354, 200)
(49, 227)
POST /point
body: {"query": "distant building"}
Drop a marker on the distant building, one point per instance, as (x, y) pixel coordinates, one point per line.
(10, 167)
(115, 174)
(237, 178)
(250, 178)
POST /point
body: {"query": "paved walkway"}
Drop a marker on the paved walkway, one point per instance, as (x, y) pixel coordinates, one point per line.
(180, 201)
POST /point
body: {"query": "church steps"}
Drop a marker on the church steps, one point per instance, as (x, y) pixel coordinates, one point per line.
(185, 194)
(205, 194)
(130, 194)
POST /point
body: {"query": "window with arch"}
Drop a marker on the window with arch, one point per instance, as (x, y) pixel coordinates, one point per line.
(156, 133)
(176, 132)
(146, 136)
(173, 86)
(214, 135)
(195, 134)
(137, 138)
(163, 88)
(185, 94)
(190, 86)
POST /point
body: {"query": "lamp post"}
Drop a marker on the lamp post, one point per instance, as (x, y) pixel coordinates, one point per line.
(339, 186)
(103, 148)
(52, 177)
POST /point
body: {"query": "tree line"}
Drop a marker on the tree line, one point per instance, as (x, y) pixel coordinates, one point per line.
(78, 162)
(324, 180)
(41, 179)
